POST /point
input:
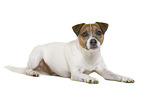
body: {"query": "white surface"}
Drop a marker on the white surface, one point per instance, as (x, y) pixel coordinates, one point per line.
(25, 24)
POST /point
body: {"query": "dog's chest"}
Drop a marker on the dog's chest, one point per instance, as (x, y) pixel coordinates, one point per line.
(90, 64)
(87, 69)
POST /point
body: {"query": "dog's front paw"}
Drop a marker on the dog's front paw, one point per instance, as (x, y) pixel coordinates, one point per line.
(127, 80)
(86, 79)
(89, 80)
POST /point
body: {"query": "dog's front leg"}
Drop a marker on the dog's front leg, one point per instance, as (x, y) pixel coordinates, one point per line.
(78, 75)
(108, 75)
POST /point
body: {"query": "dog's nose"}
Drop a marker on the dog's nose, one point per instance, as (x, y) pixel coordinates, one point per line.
(93, 42)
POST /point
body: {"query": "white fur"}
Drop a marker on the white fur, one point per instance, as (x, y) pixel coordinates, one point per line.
(71, 60)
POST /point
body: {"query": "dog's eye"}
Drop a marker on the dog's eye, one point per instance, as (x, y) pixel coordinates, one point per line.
(85, 34)
(98, 32)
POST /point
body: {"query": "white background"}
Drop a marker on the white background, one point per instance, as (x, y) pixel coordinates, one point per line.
(25, 24)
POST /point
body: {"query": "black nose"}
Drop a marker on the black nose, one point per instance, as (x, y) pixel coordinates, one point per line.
(93, 42)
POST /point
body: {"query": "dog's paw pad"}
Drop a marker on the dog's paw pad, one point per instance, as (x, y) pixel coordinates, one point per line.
(93, 82)
(90, 81)
(127, 80)
(35, 74)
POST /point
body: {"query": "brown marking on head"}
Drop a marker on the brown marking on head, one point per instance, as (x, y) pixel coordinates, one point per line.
(82, 39)
(97, 32)
(77, 28)
(85, 31)
(103, 26)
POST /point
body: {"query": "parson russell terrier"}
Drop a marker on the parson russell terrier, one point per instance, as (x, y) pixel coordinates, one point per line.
(76, 59)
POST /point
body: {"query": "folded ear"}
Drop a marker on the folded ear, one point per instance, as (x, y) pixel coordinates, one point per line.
(103, 26)
(77, 28)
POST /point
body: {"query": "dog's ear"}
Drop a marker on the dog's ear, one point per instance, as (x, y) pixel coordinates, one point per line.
(77, 28)
(103, 26)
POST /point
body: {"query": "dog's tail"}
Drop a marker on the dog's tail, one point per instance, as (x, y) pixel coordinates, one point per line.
(16, 69)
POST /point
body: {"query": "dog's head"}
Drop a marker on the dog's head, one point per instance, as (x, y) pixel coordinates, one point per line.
(90, 36)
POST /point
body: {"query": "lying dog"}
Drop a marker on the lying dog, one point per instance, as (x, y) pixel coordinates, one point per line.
(76, 59)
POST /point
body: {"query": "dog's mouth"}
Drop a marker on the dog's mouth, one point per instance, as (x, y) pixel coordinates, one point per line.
(92, 43)
(94, 47)
(91, 47)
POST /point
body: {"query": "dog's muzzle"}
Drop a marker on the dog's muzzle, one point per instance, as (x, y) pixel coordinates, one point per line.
(92, 43)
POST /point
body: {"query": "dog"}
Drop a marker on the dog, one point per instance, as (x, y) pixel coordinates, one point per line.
(76, 59)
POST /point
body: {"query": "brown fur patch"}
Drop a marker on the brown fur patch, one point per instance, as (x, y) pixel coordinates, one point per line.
(83, 40)
(43, 67)
(101, 37)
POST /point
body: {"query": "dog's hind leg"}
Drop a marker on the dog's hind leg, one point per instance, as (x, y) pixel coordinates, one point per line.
(31, 72)
(30, 69)
(37, 64)
(42, 67)
(34, 60)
